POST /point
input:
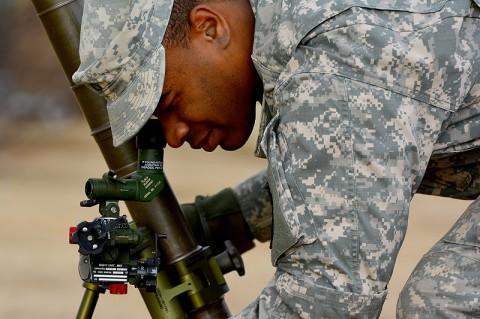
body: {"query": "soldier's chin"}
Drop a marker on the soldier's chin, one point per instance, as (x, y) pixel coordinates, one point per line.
(234, 145)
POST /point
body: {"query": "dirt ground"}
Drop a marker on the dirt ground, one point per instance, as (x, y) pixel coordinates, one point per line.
(43, 168)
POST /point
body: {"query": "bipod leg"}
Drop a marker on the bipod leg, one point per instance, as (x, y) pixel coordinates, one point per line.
(89, 301)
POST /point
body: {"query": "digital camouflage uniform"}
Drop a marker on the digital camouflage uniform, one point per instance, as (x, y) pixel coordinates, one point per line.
(358, 97)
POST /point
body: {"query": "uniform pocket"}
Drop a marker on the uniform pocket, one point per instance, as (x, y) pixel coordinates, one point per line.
(289, 213)
(466, 230)
(393, 49)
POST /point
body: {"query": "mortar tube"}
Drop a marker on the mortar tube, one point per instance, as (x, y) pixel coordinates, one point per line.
(61, 20)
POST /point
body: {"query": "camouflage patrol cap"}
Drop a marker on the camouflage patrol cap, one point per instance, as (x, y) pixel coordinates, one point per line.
(123, 59)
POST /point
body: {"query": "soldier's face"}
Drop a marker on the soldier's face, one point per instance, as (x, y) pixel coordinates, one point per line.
(208, 102)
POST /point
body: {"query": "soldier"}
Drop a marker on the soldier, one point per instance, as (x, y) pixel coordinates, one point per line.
(357, 97)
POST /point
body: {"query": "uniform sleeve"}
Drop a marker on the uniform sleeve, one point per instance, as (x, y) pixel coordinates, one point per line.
(255, 204)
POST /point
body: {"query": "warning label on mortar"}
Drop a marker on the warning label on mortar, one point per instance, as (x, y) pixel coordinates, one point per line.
(157, 165)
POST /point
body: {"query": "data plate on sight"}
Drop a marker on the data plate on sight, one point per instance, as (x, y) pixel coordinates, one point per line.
(104, 272)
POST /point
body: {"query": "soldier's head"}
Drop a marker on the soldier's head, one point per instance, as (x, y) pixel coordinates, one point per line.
(187, 63)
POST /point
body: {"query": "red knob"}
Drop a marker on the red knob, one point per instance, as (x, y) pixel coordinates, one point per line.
(70, 233)
(118, 289)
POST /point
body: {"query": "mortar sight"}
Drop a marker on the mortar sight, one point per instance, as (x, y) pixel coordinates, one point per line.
(112, 188)
(148, 180)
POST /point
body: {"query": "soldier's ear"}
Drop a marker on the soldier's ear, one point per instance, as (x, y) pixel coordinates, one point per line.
(209, 25)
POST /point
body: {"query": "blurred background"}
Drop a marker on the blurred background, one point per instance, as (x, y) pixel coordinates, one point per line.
(47, 154)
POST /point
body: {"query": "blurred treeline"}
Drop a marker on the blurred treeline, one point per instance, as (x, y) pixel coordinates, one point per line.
(32, 83)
